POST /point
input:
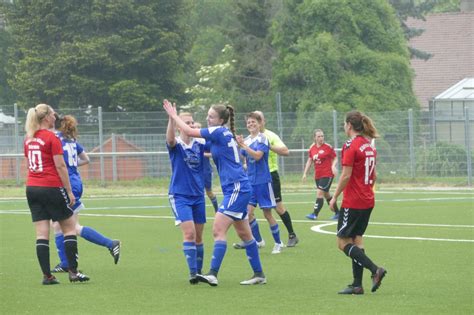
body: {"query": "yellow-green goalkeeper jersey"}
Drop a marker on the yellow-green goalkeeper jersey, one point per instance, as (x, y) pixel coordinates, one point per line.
(274, 140)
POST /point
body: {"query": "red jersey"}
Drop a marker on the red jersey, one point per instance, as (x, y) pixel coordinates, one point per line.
(322, 158)
(40, 151)
(360, 155)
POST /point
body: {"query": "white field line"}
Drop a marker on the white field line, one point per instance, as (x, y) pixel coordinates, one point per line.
(289, 193)
(319, 229)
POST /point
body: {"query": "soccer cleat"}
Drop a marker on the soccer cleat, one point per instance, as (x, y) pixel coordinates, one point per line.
(335, 217)
(292, 241)
(239, 245)
(77, 277)
(311, 216)
(193, 279)
(352, 290)
(254, 280)
(377, 278)
(58, 269)
(115, 250)
(277, 248)
(47, 280)
(209, 279)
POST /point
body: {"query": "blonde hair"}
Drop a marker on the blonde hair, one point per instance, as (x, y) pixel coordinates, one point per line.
(34, 118)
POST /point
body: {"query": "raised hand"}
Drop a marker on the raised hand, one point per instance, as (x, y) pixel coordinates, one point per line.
(170, 108)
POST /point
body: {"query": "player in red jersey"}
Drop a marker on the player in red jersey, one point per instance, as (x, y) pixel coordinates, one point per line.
(48, 190)
(357, 181)
(324, 158)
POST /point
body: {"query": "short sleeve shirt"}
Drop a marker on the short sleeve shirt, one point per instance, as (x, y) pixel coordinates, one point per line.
(322, 157)
(359, 154)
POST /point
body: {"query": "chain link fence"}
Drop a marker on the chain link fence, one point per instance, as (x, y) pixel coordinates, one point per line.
(131, 145)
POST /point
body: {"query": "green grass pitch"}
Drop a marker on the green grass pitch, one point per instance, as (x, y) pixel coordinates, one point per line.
(424, 239)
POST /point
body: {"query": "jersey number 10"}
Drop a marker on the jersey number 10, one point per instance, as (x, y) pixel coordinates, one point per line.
(35, 163)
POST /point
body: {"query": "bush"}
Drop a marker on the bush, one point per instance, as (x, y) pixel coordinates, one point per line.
(442, 159)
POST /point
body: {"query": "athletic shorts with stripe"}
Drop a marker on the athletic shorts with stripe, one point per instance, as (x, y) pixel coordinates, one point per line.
(48, 203)
(352, 222)
(236, 198)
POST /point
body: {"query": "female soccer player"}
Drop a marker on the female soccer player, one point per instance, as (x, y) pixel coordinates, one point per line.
(255, 149)
(74, 157)
(186, 191)
(357, 181)
(235, 187)
(48, 190)
(324, 158)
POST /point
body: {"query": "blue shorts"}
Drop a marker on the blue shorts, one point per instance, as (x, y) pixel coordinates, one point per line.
(263, 196)
(77, 189)
(188, 208)
(236, 199)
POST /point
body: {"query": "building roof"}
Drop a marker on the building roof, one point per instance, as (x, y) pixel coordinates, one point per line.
(449, 37)
(463, 90)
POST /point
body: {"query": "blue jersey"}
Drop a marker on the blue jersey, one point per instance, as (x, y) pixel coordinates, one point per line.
(187, 164)
(71, 149)
(258, 171)
(225, 154)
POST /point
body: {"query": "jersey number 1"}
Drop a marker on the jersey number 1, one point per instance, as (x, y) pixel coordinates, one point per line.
(232, 144)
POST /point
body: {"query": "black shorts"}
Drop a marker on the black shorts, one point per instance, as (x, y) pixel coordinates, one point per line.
(48, 203)
(324, 183)
(353, 222)
(276, 186)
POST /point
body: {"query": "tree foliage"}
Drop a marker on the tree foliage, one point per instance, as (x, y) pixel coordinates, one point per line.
(116, 54)
(342, 55)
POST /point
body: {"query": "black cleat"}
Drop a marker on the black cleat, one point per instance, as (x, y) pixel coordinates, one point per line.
(50, 280)
(193, 280)
(78, 277)
(377, 278)
(352, 290)
(59, 269)
(115, 250)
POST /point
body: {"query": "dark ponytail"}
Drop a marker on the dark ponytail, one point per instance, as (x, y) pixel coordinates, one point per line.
(231, 119)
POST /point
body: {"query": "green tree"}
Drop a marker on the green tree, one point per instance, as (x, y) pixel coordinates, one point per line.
(341, 55)
(115, 54)
(7, 96)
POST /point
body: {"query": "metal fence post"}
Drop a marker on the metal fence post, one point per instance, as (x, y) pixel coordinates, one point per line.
(411, 143)
(17, 147)
(467, 140)
(280, 130)
(303, 162)
(101, 144)
(114, 158)
(334, 130)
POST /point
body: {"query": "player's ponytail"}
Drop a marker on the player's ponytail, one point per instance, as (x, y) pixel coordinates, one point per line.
(230, 109)
(369, 127)
(34, 117)
(362, 124)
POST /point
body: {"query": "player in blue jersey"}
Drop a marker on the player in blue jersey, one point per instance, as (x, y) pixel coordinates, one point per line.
(208, 176)
(235, 188)
(186, 191)
(255, 149)
(75, 156)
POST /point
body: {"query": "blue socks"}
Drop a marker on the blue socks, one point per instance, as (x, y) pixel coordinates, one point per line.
(255, 230)
(95, 237)
(253, 256)
(59, 240)
(199, 257)
(220, 248)
(189, 249)
(275, 233)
